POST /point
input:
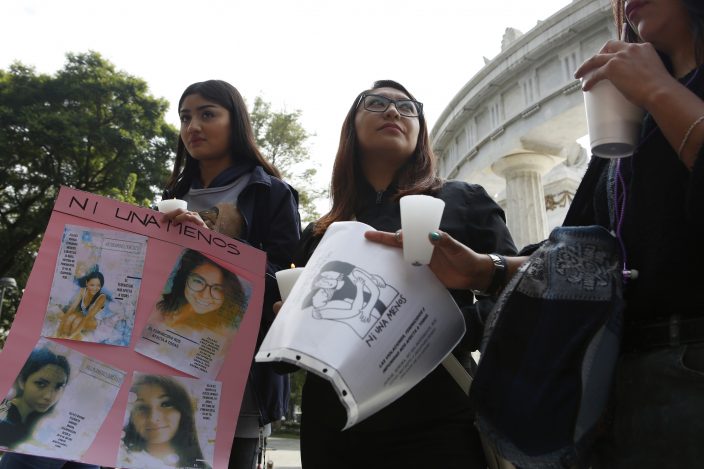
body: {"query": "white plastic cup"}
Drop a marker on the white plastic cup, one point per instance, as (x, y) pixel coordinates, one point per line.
(287, 279)
(420, 214)
(613, 121)
(169, 205)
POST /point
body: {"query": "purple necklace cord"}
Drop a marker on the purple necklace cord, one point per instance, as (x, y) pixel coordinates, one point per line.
(619, 210)
(620, 199)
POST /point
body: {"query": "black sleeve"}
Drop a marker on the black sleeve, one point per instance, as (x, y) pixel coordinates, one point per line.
(478, 222)
(306, 246)
(279, 242)
(284, 227)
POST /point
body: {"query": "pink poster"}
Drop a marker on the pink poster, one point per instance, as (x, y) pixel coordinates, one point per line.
(142, 311)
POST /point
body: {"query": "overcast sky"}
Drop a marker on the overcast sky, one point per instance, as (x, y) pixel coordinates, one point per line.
(312, 55)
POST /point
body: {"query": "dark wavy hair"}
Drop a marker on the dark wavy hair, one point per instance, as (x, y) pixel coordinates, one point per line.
(185, 441)
(417, 176)
(233, 302)
(243, 144)
(695, 8)
(90, 276)
(38, 359)
(83, 281)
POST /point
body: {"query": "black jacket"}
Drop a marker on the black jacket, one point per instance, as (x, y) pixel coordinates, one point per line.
(663, 222)
(471, 217)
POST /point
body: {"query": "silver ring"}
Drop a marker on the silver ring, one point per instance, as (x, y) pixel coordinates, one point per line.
(397, 235)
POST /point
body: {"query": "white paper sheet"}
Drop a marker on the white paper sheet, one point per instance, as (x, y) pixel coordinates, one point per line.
(364, 319)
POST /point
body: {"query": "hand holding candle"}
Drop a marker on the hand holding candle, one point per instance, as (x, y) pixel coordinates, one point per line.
(169, 205)
(613, 121)
(287, 279)
(420, 214)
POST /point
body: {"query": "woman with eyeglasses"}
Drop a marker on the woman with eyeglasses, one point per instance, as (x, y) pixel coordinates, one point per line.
(203, 296)
(384, 154)
(231, 188)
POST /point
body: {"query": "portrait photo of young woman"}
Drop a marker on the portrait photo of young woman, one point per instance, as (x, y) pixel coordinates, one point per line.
(160, 429)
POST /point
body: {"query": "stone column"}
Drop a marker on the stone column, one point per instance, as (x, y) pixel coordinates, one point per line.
(525, 198)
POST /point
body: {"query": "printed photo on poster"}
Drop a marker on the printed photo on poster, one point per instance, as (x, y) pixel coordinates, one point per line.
(96, 285)
(57, 403)
(201, 308)
(169, 422)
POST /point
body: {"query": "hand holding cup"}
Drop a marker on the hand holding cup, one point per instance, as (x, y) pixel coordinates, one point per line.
(613, 121)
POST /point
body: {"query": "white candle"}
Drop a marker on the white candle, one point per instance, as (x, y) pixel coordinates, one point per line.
(420, 214)
(169, 205)
(287, 279)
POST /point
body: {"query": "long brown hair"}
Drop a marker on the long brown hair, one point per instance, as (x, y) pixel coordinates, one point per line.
(242, 141)
(185, 441)
(695, 8)
(417, 176)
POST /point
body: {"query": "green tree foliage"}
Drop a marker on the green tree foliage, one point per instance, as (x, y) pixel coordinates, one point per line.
(297, 380)
(282, 138)
(126, 193)
(88, 126)
(10, 302)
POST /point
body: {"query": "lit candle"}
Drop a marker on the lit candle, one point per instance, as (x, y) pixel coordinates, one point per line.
(169, 205)
(287, 279)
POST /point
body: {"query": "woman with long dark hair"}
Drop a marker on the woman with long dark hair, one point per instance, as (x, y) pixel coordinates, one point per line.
(161, 430)
(657, 410)
(654, 203)
(38, 387)
(384, 154)
(86, 304)
(231, 188)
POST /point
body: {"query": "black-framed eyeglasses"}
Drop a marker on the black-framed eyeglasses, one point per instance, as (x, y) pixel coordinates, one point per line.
(378, 103)
(197, 283)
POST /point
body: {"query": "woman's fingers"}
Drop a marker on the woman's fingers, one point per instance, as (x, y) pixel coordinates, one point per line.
(180, 216)
(446, 243)
(635, 70)
(385, 238)
(174, 213)
(612, 46)
(451, 261)
(438, 238)
(277, 307)
(591, 71)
